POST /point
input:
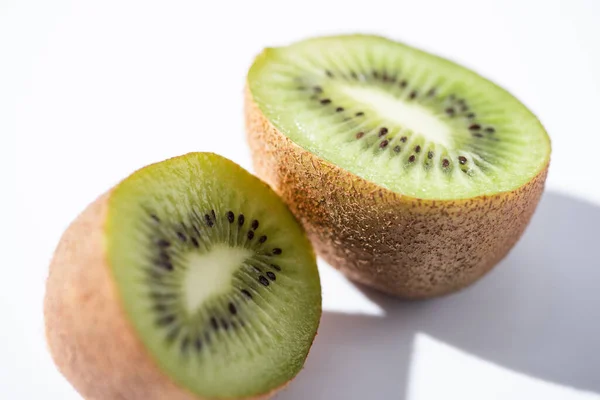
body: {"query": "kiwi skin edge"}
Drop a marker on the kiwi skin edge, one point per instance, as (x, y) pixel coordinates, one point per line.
(404, 246)
(89, 337)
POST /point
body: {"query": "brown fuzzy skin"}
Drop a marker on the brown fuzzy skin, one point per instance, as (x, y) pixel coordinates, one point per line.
(404, 246)
(91, 341)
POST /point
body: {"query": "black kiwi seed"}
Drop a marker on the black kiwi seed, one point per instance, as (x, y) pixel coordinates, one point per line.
(209, 221)
(262, 239)
(325, 101)
(397, 149)
(403, 139)
(214, 323)
(196, 229)
(230, 217)
(318, 89)
(271, 275)
(383, 144)
(162, 296)
(329, 73)
(360, 134)
(166, 265)
(195, 242)
(276, 267)
(250, 235)
(263, 281)
(246, 293)
(225, 324)
(198, 344)
(471, 115)
(232, 308)
(464, 108)
(445, 163)
(359, 114)
(181, 236)
(411, 158)
(383, 131)
(166, 320)
(339, 109)
(413, 94)
(477, 134)
(255, 268)
(417, 149)
(431, 92)
(160, 307)
(163, 243)
(164, 255)
(450, 111)
(241, 219)
(353, 75)
(490, 130)
(154, 217)
(154, 275)
(462, 159)
(430, 155)
(403, 84)
(173, 334)
(475, 127)
(184, 344)
(214, 215)
(277, 251)
(254, 224)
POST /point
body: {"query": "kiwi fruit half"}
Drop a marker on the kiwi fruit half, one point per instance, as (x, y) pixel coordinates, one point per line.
(410, 173)
(190, 279)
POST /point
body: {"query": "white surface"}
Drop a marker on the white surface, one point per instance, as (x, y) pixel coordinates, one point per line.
(91, 90)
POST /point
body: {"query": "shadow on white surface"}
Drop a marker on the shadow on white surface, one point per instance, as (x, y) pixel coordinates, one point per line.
(537, 313)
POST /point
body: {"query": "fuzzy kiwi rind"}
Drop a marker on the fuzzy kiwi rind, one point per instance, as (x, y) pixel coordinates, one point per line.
(402, 245)
(90, 335)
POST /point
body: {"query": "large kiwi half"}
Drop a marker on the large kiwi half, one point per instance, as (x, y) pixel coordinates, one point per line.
(410, 173)
(190, 279)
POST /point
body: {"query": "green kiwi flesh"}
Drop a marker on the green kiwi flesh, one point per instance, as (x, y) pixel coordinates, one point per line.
(406, 120)
(216, 276)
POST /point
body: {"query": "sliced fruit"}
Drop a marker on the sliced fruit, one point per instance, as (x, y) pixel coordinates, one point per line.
(190, 279)
(398, 162)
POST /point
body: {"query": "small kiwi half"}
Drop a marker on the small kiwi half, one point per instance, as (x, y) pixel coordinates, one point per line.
(410, 173)
(189, 279)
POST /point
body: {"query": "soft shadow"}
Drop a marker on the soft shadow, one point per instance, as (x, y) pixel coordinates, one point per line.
(537, 313)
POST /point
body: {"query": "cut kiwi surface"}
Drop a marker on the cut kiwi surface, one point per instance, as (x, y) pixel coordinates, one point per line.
(410, 173)
(404, 119)
(207, 283)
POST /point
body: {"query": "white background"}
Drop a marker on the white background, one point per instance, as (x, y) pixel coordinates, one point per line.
(92, 90)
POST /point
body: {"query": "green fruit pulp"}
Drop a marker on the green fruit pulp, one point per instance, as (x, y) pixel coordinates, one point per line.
(184, 272)
(409, 121)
